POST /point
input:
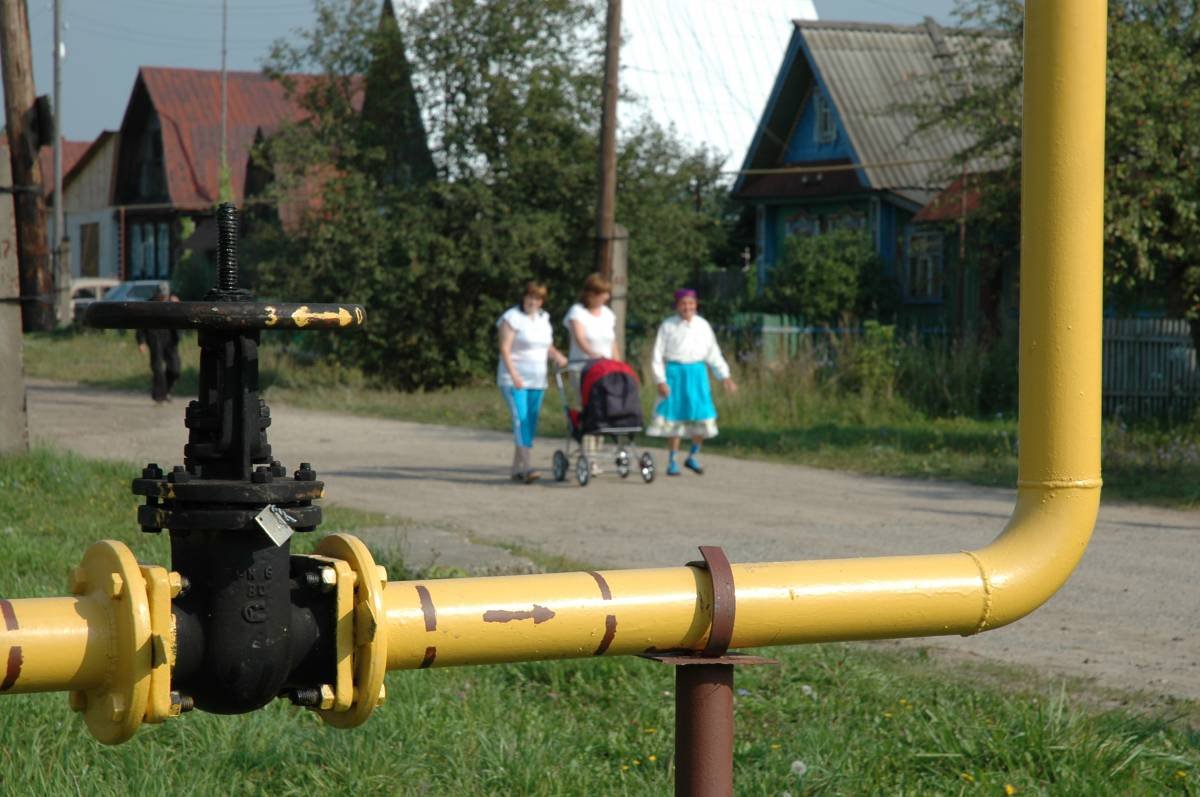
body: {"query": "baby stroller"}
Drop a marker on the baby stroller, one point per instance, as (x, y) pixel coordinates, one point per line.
(611, 408)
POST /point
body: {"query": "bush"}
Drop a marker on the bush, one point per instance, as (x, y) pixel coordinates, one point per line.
(824, 277)
(958, 377)
(875, 361)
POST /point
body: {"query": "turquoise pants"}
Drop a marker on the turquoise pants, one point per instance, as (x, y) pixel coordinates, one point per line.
(525, 404)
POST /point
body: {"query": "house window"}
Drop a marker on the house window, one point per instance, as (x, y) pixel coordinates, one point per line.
(89, 250)
(150, 250)
(150, 162)
(923, 278)
(826, 128)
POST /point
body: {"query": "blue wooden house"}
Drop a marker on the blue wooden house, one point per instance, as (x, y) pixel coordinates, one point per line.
(840, 122)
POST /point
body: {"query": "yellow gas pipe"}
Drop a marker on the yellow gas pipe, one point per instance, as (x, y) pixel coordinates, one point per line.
(447, 622)
(109, 635)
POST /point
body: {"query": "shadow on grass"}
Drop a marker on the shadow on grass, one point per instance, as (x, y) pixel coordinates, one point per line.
(1177, 487)
(908, 439)
(187, 386)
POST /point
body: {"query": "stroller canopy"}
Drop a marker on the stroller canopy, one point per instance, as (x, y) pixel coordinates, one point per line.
(610, 395)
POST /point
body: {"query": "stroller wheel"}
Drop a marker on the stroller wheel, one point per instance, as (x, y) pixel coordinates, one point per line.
(560, 466)
(622, 463)
(583, 471)
(647, 463)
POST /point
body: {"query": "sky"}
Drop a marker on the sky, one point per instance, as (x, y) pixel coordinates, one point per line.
(704, 66)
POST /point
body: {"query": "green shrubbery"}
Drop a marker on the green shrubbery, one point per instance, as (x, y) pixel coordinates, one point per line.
(824, 278)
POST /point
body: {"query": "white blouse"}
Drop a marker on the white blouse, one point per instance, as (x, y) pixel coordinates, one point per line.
(530, 347)
(600, 331)
(687, 342)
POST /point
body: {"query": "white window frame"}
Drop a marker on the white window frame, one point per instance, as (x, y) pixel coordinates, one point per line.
(825, 129)
(926, 266)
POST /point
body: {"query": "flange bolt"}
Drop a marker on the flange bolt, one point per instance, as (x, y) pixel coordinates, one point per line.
(179, 475)
(152, 471)
(261, 475)
(306, 473)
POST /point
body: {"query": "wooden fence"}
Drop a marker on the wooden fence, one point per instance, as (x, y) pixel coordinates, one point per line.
(1149, 367)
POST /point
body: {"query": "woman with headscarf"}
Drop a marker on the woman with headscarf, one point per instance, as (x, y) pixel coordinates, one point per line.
(685, 349)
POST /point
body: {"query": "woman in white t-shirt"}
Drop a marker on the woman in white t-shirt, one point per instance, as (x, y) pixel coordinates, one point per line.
(593, 328)
(526, 341)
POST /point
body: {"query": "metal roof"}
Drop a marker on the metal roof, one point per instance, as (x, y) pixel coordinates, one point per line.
(875, 75)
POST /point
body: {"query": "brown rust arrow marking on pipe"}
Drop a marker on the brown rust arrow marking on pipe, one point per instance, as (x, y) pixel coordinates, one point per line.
(539, 615)
(427, 608)
(430, 656)
(610, 621)
(15, 656)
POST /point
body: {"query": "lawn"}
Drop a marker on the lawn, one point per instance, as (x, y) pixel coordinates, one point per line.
(830, 719)
(776, 415)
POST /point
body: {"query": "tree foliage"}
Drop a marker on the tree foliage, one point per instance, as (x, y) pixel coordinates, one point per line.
(509, 97)
(825, 277)
(1152, 166)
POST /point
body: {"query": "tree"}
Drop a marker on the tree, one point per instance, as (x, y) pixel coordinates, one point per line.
(1152, 168)
(825, 277)
(508, 92)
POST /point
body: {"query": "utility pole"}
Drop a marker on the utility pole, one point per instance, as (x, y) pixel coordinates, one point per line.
(61, 255)
(16, 63)
(14, 431)
(606, 207)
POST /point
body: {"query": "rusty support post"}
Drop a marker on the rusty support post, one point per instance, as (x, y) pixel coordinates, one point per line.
(703, 730)
(704, 692)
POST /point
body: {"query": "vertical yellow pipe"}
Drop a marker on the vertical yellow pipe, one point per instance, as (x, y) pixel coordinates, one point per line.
(1062, 216)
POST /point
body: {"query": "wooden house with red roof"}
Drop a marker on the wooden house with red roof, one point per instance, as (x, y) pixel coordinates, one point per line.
(169, 159)
(87, 208)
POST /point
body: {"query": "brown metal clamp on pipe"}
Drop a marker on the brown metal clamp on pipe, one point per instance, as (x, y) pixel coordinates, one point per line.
(704, 692)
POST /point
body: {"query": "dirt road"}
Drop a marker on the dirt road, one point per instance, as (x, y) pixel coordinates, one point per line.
(1128, 618)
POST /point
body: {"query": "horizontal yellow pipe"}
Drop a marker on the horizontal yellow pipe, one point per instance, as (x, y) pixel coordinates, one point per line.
(473, 621)
(53, 644)
(564, 615)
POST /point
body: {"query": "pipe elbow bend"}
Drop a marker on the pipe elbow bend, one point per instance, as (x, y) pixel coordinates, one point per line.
(1038, 550)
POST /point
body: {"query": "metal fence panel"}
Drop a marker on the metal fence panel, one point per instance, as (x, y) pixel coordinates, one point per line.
(1149, 367)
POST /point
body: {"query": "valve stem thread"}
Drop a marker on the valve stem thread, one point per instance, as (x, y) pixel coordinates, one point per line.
(227, 247)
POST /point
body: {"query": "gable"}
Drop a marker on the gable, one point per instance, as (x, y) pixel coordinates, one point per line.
(140, 153)
(819, 134)
(874, 75)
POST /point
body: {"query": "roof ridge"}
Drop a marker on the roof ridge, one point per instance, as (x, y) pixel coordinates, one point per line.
(880, 27)
(217, 72)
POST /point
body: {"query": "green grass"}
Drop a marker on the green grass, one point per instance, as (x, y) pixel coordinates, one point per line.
(784, 415)
(857, 721)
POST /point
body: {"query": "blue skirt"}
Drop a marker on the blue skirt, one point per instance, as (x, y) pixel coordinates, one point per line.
(690, 399)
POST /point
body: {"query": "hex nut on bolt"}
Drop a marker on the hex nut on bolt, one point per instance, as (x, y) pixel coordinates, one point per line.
(115, 586)
(327, 697)
(329, 578)
(116, 707)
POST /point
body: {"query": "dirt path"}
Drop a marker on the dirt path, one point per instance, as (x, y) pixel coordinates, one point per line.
(1127, 618)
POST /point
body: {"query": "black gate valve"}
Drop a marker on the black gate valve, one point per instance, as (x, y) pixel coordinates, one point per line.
(251, 626)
